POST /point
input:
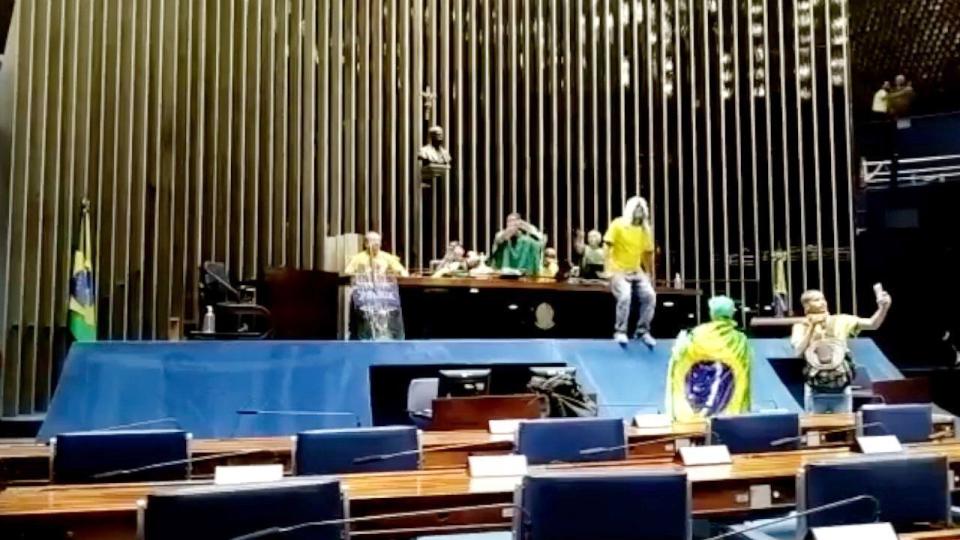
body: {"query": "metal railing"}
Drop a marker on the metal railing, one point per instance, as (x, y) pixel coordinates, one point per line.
(911, 171)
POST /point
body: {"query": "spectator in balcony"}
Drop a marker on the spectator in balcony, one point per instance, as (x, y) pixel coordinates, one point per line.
(880, 108)
(900, 98)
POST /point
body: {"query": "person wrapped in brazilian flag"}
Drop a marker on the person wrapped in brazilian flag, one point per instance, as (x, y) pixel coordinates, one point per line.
(709, 372)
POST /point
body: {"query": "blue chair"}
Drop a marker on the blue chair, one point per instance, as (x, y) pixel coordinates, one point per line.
(114, 456)
(224, 512)
(599, 505)
(908, 490)
(755, 432)
(911, 422)
(339, 451)
(571, 439)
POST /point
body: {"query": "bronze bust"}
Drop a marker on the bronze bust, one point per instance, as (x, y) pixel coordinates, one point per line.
(433, 155)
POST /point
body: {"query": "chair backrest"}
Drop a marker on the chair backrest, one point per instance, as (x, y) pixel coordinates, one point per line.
(224, 512)
(339, 451)
(639, 505)
(910, 422)
(755, 432)
(564, 439)
(909, 489)
(215, 283)
(421, 393)
(907, 390)
(79, 457)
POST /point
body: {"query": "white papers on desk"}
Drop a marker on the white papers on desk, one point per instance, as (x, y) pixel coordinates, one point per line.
(865, 531)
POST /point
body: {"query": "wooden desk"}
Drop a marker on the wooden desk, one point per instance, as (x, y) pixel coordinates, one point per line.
(523, 283)
(475, 412)
(110, 510)
(508, 308)
(30, 462)
(946, 534)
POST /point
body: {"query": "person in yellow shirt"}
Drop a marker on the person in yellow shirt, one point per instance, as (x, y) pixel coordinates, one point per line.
(373, 260)
(629, 262)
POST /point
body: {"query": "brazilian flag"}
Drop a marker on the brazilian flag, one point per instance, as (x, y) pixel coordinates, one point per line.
(83, 315)
(709, 372)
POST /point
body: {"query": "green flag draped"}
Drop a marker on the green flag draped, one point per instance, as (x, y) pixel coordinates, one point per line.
(83, 315)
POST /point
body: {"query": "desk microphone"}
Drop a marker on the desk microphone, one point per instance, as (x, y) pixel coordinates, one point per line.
(603, 449)
(252, 412)
(801, 438)
(277, 531)
(140, 423)
(939, 436)
(123, 472)
(814, 510)
(650, 405)
(383, 457)
(776, 406)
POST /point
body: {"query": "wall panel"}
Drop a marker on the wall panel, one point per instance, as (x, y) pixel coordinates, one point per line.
(247, 131)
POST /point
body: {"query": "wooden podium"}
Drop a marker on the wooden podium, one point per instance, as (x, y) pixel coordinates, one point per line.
(476, 412)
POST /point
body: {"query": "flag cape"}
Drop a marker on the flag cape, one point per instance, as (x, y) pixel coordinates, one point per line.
(709, 372)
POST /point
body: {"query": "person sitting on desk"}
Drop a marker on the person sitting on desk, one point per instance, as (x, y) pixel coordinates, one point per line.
(629, 254)
(821, 339)
(373, 260)
(518, 246)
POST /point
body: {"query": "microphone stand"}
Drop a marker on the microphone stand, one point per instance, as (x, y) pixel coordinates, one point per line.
(787, 440)
(383, 457)
(141, 423)
(257, 412)
(830, 506)
(602, 449)
(121, 472)
(272, 531)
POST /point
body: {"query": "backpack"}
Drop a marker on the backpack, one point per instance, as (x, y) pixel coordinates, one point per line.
(829, 367)
(563, 397)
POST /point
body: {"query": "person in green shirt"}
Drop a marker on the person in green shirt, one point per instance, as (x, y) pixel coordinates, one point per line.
(518, 247)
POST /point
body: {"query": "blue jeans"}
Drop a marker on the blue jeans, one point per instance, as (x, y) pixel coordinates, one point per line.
(633, 287)
(827, 402)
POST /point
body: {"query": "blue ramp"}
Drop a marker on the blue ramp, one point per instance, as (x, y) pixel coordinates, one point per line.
(202, 384)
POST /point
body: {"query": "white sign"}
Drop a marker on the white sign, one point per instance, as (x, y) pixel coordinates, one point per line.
(498, 484)
(879, 444)
(504, 427)
(503, 437)
(761, 496)
(866, 531)
(717, 454)
(497, 466)
(245, 474)
(813, 438)
(652, 421)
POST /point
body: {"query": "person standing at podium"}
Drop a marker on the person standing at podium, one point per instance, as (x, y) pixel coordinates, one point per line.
(518, 247)
(629, 261)
(374, 260)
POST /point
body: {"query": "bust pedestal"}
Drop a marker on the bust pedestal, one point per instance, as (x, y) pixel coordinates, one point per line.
(429, 211)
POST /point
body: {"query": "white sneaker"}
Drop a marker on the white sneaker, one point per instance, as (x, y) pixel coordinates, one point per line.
(620, 338)
(648, 340)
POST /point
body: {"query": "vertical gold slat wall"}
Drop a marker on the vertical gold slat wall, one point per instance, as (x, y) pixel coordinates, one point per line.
(247, 131)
